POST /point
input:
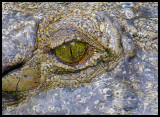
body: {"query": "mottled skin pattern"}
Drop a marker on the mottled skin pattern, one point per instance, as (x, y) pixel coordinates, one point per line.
(119, 77)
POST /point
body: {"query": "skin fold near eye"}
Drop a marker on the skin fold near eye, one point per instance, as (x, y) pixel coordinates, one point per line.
(72, 53)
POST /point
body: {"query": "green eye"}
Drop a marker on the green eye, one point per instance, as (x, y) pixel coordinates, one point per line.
(72, 53)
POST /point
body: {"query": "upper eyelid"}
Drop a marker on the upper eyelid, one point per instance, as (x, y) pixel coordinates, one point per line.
(111, 37)
(57, 39)
(90, 24)
(71, 24)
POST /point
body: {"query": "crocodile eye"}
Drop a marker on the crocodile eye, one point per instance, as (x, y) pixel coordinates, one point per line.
(76, 43)
(72, 53)
(72, 50)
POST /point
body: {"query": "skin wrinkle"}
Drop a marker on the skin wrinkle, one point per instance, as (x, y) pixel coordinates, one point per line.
(118, 76)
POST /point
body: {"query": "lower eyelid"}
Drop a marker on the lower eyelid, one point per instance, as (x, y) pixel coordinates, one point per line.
(91, 61)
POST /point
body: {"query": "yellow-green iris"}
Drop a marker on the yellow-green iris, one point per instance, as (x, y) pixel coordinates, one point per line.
(71, 52)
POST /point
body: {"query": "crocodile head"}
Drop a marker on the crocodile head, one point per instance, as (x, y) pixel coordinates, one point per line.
(79, 58)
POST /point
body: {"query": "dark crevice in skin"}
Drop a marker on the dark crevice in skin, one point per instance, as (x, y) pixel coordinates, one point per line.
(11, 68)
(11, 98)
(16, 66)
(17, 84)
(13, 95)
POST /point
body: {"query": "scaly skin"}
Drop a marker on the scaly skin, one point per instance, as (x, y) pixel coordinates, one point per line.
(119, 77)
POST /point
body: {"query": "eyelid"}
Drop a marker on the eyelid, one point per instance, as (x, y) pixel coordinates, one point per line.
(91, 61)
(62, 35)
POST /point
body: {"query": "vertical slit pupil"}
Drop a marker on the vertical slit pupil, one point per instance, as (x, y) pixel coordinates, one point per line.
(71, 52)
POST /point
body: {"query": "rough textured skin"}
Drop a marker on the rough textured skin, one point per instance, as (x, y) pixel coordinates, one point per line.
(119, 77)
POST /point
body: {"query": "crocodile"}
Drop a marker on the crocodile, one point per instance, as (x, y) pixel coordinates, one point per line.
(117, 74)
